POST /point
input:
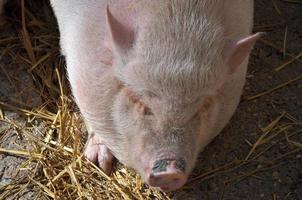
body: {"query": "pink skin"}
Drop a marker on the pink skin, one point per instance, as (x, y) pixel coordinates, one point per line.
(126, 46)
(168, 180)
(101, 43)
(172, 178)
(98, 153)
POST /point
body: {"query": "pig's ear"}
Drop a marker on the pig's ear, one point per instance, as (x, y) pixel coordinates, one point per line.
(235, 52)
(122, 36)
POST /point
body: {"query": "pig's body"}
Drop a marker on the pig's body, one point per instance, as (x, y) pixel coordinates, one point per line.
(155, 80)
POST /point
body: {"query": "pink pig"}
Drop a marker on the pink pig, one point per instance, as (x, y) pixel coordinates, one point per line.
(156, 81)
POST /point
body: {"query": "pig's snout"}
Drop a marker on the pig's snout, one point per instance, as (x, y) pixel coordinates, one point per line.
(167, 174)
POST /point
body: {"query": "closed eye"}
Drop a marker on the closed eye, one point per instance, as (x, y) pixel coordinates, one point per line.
(205, 107)
(138, 104)
(147, 111)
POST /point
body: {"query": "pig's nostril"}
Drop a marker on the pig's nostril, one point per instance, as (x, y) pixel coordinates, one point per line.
(161, 165)
(180, 164)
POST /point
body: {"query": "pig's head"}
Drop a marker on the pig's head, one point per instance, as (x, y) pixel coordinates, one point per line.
(170, 75)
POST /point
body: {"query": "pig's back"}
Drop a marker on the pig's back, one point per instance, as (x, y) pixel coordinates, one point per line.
(83, 25)
(84, 33)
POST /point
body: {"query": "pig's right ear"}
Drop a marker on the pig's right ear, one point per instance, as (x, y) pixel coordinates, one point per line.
(235, 52)
(122, 36)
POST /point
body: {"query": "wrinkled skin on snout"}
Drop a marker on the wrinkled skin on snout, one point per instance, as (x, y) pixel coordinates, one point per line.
(155, 81)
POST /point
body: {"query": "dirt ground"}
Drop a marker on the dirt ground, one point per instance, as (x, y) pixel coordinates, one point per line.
(275, 170)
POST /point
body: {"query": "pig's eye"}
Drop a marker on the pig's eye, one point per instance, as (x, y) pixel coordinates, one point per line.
(151, 94)
(147, 111)
(138, 104)
(196, 115)
(140, 107)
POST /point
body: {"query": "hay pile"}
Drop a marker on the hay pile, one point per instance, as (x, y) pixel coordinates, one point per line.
(55, 166)
(53, 160)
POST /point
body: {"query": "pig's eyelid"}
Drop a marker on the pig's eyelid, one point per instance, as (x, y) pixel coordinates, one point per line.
(200, 109)
(149, 94)
(148, 111)
(135, 99)
(197, 100)
(153, 95)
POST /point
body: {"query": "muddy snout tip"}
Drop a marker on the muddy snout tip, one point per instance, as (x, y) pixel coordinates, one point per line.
(167, 175)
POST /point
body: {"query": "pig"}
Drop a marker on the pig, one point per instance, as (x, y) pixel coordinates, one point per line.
(155, 81)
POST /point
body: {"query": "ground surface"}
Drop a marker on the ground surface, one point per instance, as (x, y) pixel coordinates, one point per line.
(277, 172)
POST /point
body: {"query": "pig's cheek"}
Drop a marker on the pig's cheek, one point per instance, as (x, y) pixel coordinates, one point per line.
(208, 119)
(204, 136)
(204, 121)
(207, 114)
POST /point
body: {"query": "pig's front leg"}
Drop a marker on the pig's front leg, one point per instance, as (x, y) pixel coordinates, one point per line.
(98, 153)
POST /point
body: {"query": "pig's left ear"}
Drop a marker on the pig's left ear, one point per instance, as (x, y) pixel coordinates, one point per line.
(122, 35)
(235, 52)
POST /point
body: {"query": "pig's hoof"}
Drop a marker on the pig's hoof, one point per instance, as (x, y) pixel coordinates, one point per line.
(99, 154)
